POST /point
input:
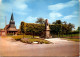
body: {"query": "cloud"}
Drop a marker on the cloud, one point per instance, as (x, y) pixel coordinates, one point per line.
(20, 4)
(31, 19)
(68, 17)
(56, 7)
(21, 13)
(0, 1)
(75, 12)
(16, 5)
(58, 16)
(55, 15)
(74, 15)
(59, 6)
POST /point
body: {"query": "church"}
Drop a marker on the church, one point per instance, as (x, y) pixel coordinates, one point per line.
(10, 28)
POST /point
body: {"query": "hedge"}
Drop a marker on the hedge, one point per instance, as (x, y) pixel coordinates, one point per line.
(38, 29)
(32, 28)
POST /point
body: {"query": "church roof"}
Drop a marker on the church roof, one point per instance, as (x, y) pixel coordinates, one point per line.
(6, 27)
(12, 19)
(12, 29)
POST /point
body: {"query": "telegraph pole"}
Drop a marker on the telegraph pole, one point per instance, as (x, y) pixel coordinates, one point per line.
(5, 26)
(5, 21)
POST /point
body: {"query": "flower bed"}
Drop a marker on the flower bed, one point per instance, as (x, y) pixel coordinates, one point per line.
(32, 40)
(28, 39)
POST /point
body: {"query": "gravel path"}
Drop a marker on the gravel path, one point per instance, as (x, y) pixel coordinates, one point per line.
(59, 48)
(59, 41)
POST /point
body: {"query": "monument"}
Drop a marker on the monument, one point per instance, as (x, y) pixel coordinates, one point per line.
(47, 29)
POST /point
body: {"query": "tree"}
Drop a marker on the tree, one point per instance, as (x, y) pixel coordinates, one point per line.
(32, 29)
(70, 26)
(62, 27)
(64, 22)
(57, 22)
(40, 21)
(23, 28)
(53, 22)
(78, 28)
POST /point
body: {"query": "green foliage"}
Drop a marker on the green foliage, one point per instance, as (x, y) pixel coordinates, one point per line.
(19, 37)
(62, 27)
(55, 29)
(57, 22)
(40, 21)
(9, 34)
(22, 27)
(58, 28)
(31, 28)
(70, 36)
(28, 39)
(31, 40)
(70, 39)
(74, 32)
(78, 28)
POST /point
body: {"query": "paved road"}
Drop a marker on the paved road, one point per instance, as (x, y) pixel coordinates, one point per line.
(9, 47)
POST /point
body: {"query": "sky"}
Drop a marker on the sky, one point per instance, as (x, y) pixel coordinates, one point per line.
(29, 10)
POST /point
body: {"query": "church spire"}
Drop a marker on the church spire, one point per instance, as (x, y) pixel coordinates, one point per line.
(12, 19)
(12, 22)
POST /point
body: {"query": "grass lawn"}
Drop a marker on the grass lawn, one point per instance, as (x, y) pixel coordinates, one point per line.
(69, 35)
(29, 39)
(71, 39)
(21, 36)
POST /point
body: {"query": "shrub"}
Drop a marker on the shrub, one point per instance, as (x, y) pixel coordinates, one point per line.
(28, 39)
(9, 34)
(31, 40)
(19, 37)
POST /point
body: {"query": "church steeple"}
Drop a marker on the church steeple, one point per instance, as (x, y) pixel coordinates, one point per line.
(11, 28)
(12, 19)
(12, 22)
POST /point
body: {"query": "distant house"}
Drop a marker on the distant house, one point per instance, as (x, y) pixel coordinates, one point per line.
(10, 28)
(2, 32)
